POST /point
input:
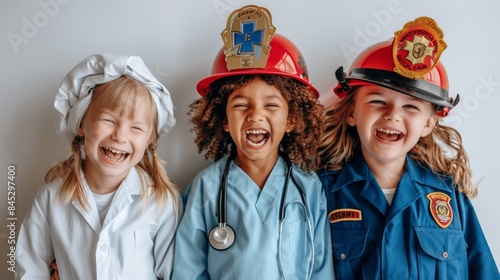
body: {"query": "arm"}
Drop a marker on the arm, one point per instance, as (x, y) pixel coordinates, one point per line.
(191, 242)
(164, 241)
(481, 264)
(323, 256)
(35, 251)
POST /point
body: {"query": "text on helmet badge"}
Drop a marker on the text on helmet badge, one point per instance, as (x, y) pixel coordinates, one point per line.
(247, 36)
(417, 47)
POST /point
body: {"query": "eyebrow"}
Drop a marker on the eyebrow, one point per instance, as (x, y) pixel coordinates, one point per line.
(267, 97)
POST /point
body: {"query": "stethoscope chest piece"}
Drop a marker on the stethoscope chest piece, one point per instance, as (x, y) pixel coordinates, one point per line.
(221, 237)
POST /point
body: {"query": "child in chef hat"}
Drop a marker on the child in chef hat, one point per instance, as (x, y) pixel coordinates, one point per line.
(111, 202)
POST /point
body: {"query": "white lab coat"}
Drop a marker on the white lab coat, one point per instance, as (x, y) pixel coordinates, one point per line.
(135, 241)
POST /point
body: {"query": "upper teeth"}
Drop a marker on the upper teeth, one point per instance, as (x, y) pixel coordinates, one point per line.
(115, 151)
(388, 131)
(257, 131)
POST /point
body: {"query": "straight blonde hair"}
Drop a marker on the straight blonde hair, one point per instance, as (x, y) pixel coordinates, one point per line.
(119, 95)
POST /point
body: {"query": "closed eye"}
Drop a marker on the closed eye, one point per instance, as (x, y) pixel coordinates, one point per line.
(273, 105)
(239, 105)
(108, 121)
(377, 102)
(411, 106)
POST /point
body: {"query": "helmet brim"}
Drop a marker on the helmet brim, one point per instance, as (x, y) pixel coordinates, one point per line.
(417, 88)
(203, 86)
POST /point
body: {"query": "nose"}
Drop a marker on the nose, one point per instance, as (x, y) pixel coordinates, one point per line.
(255, 115)
(119, 134)
(392, 114)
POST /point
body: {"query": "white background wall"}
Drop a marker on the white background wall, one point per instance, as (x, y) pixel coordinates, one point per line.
(42, 40)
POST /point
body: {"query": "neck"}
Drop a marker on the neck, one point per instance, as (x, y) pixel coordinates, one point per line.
(101, 184)
(257, 170)
(387, 174)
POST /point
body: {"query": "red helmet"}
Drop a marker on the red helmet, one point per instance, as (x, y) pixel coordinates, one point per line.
(284, 59)
(377, 65)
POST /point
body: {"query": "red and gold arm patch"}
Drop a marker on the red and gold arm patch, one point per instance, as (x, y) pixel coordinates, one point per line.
(344, 214)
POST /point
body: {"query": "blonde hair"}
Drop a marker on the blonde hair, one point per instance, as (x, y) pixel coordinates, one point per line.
(119, 95)
(340, 140)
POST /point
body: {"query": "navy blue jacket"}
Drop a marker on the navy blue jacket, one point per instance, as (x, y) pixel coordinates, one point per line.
(430, 231)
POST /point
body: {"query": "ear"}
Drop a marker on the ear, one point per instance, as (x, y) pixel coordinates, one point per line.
(351, 120)
(429, 126)
(225, 125)
(290, 124)
(80, 132)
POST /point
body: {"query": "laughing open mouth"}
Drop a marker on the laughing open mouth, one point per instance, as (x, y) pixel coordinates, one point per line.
(114, 155)
(257, 137)
(389, 135)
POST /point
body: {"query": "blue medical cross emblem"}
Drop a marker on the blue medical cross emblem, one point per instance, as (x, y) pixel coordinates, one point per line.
(248, 38)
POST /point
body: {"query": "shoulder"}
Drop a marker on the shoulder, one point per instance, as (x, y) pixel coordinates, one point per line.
(328, 174)
(207, 181)
(47, 200)
(328, 177)
(423, 175)
(302, 175)
(211, 173)
(309, 182)
(49, 190)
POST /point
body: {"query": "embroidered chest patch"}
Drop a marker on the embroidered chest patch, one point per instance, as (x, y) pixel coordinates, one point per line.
(440, 208)
(344, 214)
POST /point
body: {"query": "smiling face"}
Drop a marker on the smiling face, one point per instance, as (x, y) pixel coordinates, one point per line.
(389, 123)
(257, 119)
(117, 128)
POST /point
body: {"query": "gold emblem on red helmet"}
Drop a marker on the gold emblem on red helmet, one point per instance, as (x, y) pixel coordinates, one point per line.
(440, 208)
(247, 36)
(417, 47)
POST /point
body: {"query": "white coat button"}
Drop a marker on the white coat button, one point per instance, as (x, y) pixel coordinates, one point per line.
(104, 247)
(343, 256)
(445, 255)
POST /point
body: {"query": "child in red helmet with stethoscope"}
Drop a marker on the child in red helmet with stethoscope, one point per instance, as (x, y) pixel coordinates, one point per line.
(398, 182)
(257, 212)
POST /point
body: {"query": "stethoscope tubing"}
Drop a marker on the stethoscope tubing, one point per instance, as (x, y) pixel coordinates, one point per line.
(222, 216)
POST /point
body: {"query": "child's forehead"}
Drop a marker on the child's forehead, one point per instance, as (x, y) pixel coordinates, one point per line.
(257, 88)
(126, 103)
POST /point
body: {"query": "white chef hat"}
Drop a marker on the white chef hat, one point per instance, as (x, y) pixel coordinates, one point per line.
(75, 92)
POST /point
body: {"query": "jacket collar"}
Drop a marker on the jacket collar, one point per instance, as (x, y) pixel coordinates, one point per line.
(357, 170)
(131, 186)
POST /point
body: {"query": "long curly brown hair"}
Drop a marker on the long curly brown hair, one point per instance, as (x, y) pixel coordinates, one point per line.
(209, 113)
(441, 151)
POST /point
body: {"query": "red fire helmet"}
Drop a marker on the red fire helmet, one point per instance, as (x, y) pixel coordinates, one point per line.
(284, 59)
(376, 65)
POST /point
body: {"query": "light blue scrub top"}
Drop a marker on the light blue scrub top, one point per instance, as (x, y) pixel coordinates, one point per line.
(254, 215)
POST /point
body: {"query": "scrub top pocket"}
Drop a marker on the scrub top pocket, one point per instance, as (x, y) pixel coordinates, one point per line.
(296, 242)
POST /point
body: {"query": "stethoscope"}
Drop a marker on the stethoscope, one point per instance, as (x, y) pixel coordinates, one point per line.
(222, 236)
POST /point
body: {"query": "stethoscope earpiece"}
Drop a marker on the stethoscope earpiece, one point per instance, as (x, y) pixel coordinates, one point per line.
(221, 237)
